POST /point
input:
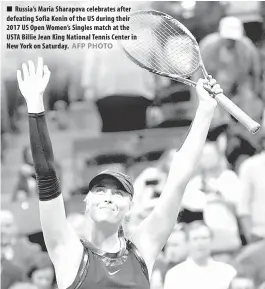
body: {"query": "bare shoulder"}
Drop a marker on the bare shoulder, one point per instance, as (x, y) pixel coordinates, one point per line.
(251, 162)
(176, 270)
(224, 268)
(229, 174)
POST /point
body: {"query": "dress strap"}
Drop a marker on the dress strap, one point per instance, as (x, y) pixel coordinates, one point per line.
(132, 248)
(82, 271)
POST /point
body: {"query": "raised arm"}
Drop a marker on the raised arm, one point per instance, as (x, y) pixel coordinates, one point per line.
(153, 232)
(63, 245)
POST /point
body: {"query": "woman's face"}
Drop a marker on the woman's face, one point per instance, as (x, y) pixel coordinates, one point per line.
(176, 247)
(107, 202)
(200, 243)
(43, 278)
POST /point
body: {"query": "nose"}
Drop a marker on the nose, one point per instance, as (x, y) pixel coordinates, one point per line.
(108, 196)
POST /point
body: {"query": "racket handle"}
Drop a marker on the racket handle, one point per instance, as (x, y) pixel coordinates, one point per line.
(237, 113)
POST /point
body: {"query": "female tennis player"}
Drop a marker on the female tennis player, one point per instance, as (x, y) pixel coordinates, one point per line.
(105, 259)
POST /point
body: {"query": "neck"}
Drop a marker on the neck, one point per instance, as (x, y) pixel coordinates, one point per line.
(213, 172)
(201, 261)
(105, 237)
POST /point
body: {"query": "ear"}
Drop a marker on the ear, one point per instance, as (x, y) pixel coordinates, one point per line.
(131, 205)
(127, 218)
(87, 200)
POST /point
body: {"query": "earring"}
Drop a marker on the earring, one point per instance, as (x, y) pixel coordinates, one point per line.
(127, 218)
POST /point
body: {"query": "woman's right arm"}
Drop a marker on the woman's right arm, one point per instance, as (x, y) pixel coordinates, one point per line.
(63, 245)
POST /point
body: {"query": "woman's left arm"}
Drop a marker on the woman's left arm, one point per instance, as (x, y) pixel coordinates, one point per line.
(152, 234)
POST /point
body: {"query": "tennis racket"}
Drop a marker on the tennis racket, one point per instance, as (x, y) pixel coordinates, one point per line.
(164, 46)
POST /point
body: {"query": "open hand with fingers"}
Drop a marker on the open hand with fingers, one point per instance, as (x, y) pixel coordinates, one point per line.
(33, 84)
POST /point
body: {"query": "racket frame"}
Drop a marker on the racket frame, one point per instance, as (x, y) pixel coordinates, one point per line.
(174, 77)
(225, 102)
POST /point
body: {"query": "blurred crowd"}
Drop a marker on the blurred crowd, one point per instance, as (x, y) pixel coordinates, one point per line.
(219, 237)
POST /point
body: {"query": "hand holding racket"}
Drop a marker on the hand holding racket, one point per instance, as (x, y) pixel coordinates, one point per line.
(166, 47)
(205, 89)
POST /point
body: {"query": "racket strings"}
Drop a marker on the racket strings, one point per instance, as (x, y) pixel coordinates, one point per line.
(146, 48)
(154, 53)
(180, 53)
(162, 46)
(182, 47)
(154, 56)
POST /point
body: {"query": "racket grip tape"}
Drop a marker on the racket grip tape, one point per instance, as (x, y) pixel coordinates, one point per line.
(237, 113)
